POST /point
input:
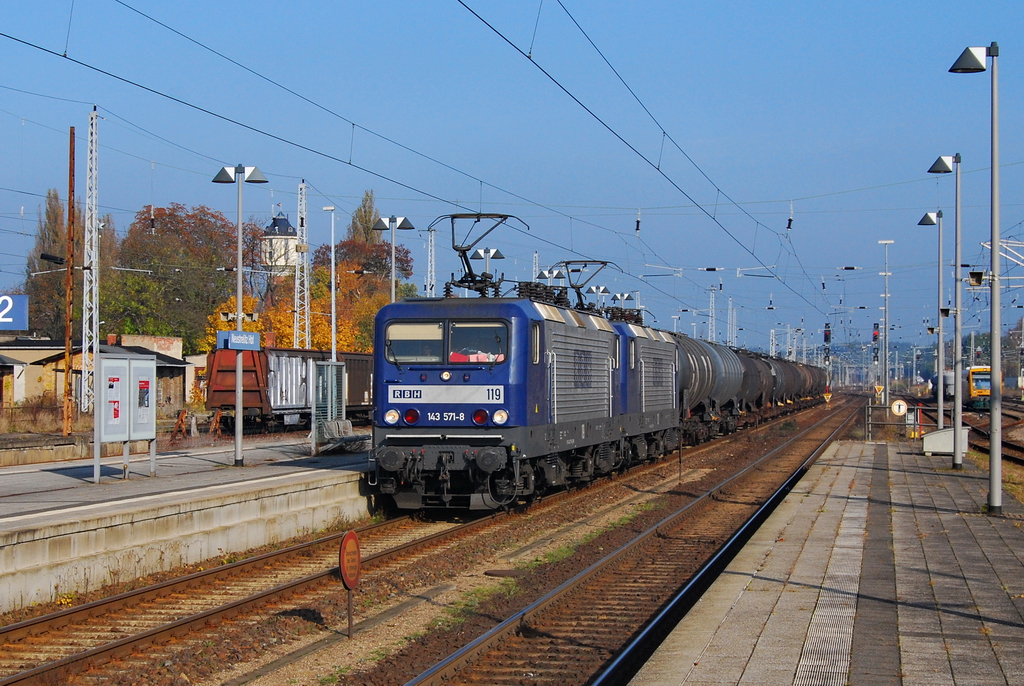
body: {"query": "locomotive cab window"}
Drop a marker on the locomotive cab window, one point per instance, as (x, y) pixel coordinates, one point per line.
(632, 353)
(478, 342)
(982, 381)
(535, 342)
(414, 342)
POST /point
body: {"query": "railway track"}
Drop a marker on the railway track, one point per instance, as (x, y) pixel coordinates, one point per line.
(49, 649)
(52, 649)
(597, 627)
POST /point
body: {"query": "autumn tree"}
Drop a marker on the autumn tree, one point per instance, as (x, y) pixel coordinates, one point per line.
(175, 261)
(45, 281)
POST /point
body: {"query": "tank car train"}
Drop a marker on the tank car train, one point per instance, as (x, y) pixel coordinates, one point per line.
(277, 385)
(486, 401)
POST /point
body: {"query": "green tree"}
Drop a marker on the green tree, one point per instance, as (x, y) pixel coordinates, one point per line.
(365, 216)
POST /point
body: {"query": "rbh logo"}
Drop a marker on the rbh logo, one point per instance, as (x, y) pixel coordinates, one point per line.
(406, 394)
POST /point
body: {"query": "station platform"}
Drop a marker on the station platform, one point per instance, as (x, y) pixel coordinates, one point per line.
(61, 533)
(880, 567)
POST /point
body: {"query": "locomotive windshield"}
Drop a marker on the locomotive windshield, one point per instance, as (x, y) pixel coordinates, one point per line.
(424, 342)
(415, 342)
(982, 381)
(476, 342)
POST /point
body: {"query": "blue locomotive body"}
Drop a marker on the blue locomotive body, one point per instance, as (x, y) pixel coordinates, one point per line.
(486, 401)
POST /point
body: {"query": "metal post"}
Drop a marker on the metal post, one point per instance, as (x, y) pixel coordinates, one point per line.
(995, 455)
(941, 363)
(334, 298)
(392, 222)
(958, 364)
(239, 410)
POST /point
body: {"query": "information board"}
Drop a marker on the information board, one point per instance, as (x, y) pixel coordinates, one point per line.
(112, 398)
(143, 399)
(238, 340)
(14, 312)
(126, 397)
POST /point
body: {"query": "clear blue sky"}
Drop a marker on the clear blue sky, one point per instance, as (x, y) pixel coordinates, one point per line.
(839, 109)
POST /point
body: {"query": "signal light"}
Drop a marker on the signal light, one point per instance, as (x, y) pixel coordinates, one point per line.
(480, 417)
(411, 416)
(874, 334)
(828, 333)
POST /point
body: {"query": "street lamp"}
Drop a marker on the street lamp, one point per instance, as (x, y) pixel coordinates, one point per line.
(487, 254)
(885, 331)
(932, 219)
(944, 165)
(971, 61)
(238, 174)
(393, 223)
(334, 300)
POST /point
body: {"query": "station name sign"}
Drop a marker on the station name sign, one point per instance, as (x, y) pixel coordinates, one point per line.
(238, 340)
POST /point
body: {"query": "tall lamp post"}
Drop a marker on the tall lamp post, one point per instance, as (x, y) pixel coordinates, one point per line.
(932, 219)
(487, 254)
(972, 60)
(885, 331)
(334, 300)
(944, 165)
(238, 174)
(393, 223)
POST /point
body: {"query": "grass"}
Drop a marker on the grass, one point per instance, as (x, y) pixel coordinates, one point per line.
(1013, 474)
(468, 604)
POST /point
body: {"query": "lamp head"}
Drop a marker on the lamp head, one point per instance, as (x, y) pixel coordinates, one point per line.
(929, 219)
(971, 61)
(976, 278)
(943, 165)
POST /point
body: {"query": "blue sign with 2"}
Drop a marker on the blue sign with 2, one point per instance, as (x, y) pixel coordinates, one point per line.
(14, 312)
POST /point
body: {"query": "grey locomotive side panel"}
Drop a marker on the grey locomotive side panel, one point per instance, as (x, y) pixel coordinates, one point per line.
(579, 368)
(657, 375)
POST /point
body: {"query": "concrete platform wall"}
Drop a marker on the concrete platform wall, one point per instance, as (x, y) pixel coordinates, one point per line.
(127, 539)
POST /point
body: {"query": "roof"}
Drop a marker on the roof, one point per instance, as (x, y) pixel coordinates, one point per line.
(161, 359)
(280, 226)
(8, 361)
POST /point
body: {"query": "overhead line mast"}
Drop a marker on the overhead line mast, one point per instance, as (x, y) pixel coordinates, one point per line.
(91, 273)
(301, 300)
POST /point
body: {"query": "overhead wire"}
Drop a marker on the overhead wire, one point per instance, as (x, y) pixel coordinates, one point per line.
(314, 151)
(633, 149)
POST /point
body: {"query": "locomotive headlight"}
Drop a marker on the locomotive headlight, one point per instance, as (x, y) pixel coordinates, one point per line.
(391, 416)
(480, 417)
(500, 416)
(446, 375)
(412, 416)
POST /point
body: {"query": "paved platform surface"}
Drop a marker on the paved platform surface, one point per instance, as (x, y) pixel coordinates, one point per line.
(879, 568)
(55, 486)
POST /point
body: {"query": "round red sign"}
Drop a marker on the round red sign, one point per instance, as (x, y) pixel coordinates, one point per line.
(350, 560)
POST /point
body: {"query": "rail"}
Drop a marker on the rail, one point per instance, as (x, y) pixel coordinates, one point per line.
(448, 668)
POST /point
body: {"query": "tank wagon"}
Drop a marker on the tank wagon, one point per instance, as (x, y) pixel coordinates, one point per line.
(277, 385)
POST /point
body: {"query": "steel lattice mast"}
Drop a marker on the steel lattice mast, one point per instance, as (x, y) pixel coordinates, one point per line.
(90, 273)
(712, 320)
(431, 285)
(301, 323)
